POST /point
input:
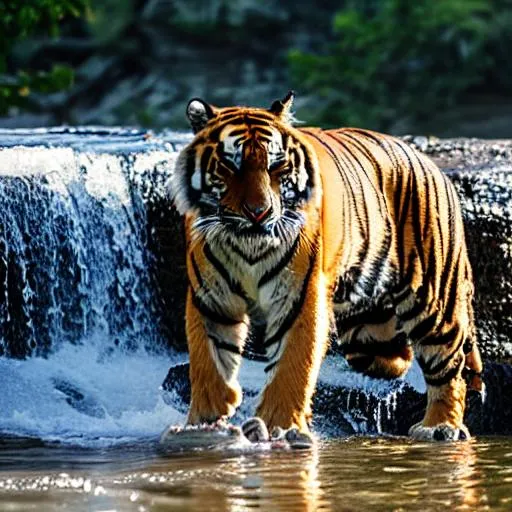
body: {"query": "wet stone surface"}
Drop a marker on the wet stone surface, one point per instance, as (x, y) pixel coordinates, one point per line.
(342, 410)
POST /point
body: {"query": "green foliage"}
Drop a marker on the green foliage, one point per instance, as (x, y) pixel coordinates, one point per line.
(396, 59)
(20, 19)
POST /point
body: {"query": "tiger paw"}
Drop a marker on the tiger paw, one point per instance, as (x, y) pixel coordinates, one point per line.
(299, 440)
(255, 430)
(442, 432)
(219, 434)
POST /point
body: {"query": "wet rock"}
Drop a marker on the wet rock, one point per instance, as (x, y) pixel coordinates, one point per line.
(176, 387)
(78, 400)
(343, 410)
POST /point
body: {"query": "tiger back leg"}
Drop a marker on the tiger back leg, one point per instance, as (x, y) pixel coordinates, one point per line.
(379, 349)
(215, 351)
(446, 352)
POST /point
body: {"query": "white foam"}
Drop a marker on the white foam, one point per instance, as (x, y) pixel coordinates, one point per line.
(336, 372)
(121, 397)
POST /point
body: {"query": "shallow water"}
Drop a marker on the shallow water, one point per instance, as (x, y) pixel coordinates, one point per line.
(345, 474)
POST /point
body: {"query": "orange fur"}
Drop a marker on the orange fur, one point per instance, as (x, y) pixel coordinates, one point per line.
(305, 225)
(212, 397)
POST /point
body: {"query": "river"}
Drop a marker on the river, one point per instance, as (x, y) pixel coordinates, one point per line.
(357, 473)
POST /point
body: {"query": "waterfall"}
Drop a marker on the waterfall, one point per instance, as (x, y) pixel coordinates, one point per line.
(74, 260)
(78, 295)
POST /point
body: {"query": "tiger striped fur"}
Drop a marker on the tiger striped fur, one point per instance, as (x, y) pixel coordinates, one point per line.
(307, 228)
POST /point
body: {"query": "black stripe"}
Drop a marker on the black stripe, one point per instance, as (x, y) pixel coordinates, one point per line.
(439, 227)
(372, 316)
(234, 119)
(257, 121)
(229, 165)
(397, 196)
(210, 314)
(205, 158)
(405, 281)
(431, 272)
(295, 310)
(377, 139)
(385, 348)
(234, 286)
(270, 274)
(251, 259)
(270, 366)
(197, 272)
(404, 294)
(238, 131)
(428, 369)
(416, 219)
(451, 244)
(424, 327)
(265, 132)
(449, 305)
(222, 345)
(401, 222)
(447, 377)
(378, 264)
(441, 339)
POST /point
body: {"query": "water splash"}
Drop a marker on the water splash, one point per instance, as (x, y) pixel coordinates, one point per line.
(86, 395)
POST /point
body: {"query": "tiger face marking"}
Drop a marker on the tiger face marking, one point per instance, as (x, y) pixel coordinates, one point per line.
(302, 227)
(247, 176)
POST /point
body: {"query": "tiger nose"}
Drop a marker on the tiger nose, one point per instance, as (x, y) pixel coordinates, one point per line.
(256, 214)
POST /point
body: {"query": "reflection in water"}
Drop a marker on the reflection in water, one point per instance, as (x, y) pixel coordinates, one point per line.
(370, 474)
(466, 475)
(278, 481)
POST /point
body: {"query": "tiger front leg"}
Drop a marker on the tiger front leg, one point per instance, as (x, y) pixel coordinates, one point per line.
(215, 352)
(296, 343)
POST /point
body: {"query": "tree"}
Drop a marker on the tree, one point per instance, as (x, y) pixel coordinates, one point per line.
(394, 60)
(18, 21)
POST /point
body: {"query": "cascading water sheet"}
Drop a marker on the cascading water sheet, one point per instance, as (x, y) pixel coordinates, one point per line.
(80, 321)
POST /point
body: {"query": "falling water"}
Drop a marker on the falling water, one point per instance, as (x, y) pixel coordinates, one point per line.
(81, 323)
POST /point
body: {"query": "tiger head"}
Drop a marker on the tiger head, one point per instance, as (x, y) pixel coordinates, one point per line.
(247, 169)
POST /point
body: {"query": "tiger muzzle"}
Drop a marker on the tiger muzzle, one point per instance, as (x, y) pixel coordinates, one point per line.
(256, 214)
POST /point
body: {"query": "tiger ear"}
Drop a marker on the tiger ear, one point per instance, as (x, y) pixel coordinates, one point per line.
(199, 113)
(282, 108)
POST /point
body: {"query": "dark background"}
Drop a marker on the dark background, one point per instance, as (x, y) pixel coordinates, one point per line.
(440, 67)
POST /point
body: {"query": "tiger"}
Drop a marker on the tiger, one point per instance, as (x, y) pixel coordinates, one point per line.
(313, 230)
